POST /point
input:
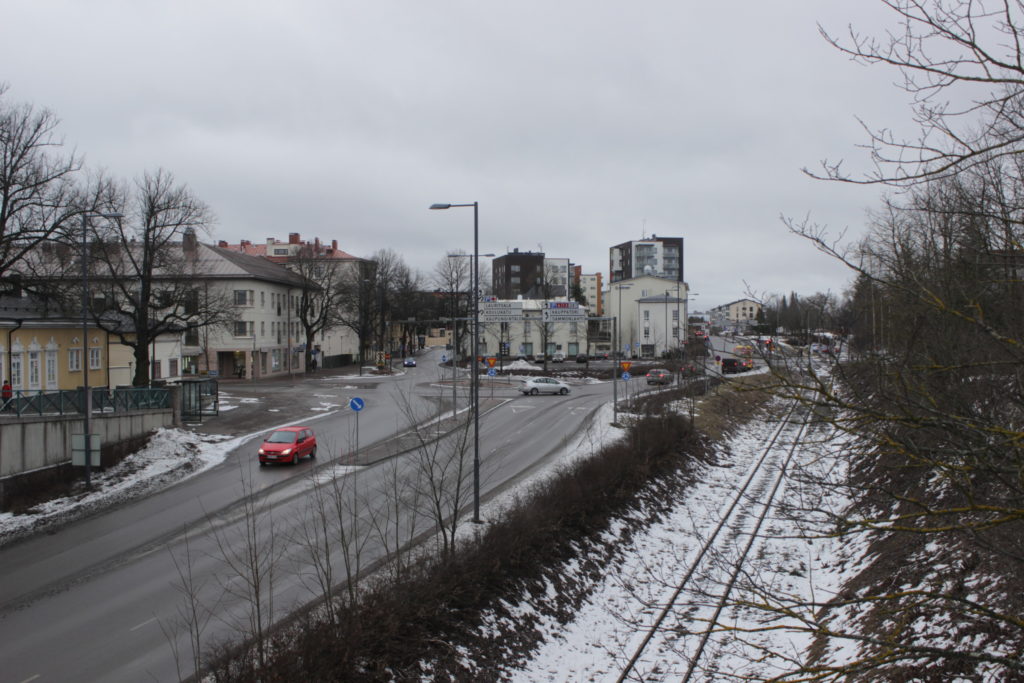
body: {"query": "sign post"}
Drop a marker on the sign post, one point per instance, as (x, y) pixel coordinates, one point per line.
(356, 404)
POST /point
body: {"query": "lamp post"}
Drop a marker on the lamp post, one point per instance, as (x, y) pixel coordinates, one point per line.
(475, 384)
(615, 361)
(87, 398)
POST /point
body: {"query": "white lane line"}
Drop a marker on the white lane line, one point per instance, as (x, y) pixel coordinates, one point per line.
(138, 626)
(32, 678)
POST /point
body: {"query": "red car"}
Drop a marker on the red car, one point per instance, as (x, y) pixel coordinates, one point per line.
(288, 444)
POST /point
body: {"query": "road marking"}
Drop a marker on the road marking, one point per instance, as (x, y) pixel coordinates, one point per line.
(516, 409)
(30, 678)
(137, 627)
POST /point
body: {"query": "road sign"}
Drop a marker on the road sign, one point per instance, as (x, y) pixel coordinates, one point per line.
(626, 365)
(444, 358)
(491, 372)
(491, 360)
(500, 311)
(563, 315)
(625, 376)
(356, 403)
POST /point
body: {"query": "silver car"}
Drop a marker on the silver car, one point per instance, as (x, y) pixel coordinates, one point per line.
(543, 385)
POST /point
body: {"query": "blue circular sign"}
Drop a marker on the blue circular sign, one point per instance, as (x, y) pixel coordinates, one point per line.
(491, 372)
(625, 375)
(356, 404)
(444, 358)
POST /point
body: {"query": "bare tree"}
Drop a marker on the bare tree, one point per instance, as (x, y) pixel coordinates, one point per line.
(38, 193)
(961, 64)
(322, 294)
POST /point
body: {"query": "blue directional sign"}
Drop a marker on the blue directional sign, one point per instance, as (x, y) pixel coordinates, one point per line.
(444, 358)
(491, 372)
(356, 403)
(625, 375)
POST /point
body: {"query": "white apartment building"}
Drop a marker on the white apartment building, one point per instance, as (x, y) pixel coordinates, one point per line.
(648, 312)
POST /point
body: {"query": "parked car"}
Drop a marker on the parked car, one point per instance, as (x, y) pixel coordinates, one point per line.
(288, 444)
(409, 362)
(582, 358)
(659, 376)
(558, 357)
(543, 385)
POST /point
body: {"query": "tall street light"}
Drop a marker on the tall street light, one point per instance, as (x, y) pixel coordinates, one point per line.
(455, 326)
(476, 348)
(615, 360)
(87, 399)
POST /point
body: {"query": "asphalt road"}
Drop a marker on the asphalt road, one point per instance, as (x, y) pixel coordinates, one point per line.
(102, 599)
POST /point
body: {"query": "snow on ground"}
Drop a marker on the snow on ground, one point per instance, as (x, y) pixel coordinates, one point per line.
(614, 620)
(170, 456)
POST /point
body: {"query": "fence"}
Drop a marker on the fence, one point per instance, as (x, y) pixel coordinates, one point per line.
(65, 402)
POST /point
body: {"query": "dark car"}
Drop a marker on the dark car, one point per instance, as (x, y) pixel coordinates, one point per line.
(288, 444)
(409, 362)
(732, 366)
(659, 376)
(582, 358)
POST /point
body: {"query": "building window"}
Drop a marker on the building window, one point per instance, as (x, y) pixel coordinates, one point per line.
(647, 315)
(74, 360)
(16, 377)
(172, 367)
(243, 297)
(192, 336)
(154, 369)
(263, 299)
(647, 333)
(243, 328)
(263, 328)
(95, 358)
(34, 371)
(514, 268)
(51, 369)
(675, 314)
(280, 252)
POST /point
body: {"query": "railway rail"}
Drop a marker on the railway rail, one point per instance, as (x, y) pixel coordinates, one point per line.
(743, 515)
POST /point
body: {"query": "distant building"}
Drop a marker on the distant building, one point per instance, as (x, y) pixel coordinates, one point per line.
(331, 347)
(530, 275)
(656, 257)
(281, 252)
(590, 286)
(735, 316)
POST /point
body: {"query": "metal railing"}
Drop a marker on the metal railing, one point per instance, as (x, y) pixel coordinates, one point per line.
(67, 402)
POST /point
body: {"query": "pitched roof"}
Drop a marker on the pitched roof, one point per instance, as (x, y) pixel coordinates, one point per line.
(221, 263)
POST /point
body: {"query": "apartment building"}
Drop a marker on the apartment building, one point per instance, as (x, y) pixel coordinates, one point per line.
(657, 257)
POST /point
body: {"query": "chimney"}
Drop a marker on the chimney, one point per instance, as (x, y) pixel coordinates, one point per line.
(270, 241)
(316, 245)
(189, 244)
(293, 238)
(334, 245)
(223, 244)
(244, 244)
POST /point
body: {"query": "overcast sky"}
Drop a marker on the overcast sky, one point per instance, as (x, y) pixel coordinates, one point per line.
(577, 124)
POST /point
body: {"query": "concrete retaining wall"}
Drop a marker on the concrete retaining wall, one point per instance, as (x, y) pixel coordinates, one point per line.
(28, 444)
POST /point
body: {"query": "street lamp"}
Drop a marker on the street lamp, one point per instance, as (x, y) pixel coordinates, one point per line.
(476, 346)
(455, 322)
(615, 362)
(87, 399)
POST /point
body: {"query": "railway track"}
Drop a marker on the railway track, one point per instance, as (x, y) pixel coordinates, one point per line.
(734, 536)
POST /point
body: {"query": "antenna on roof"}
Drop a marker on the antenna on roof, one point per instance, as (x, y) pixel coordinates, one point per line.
(643, 229)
